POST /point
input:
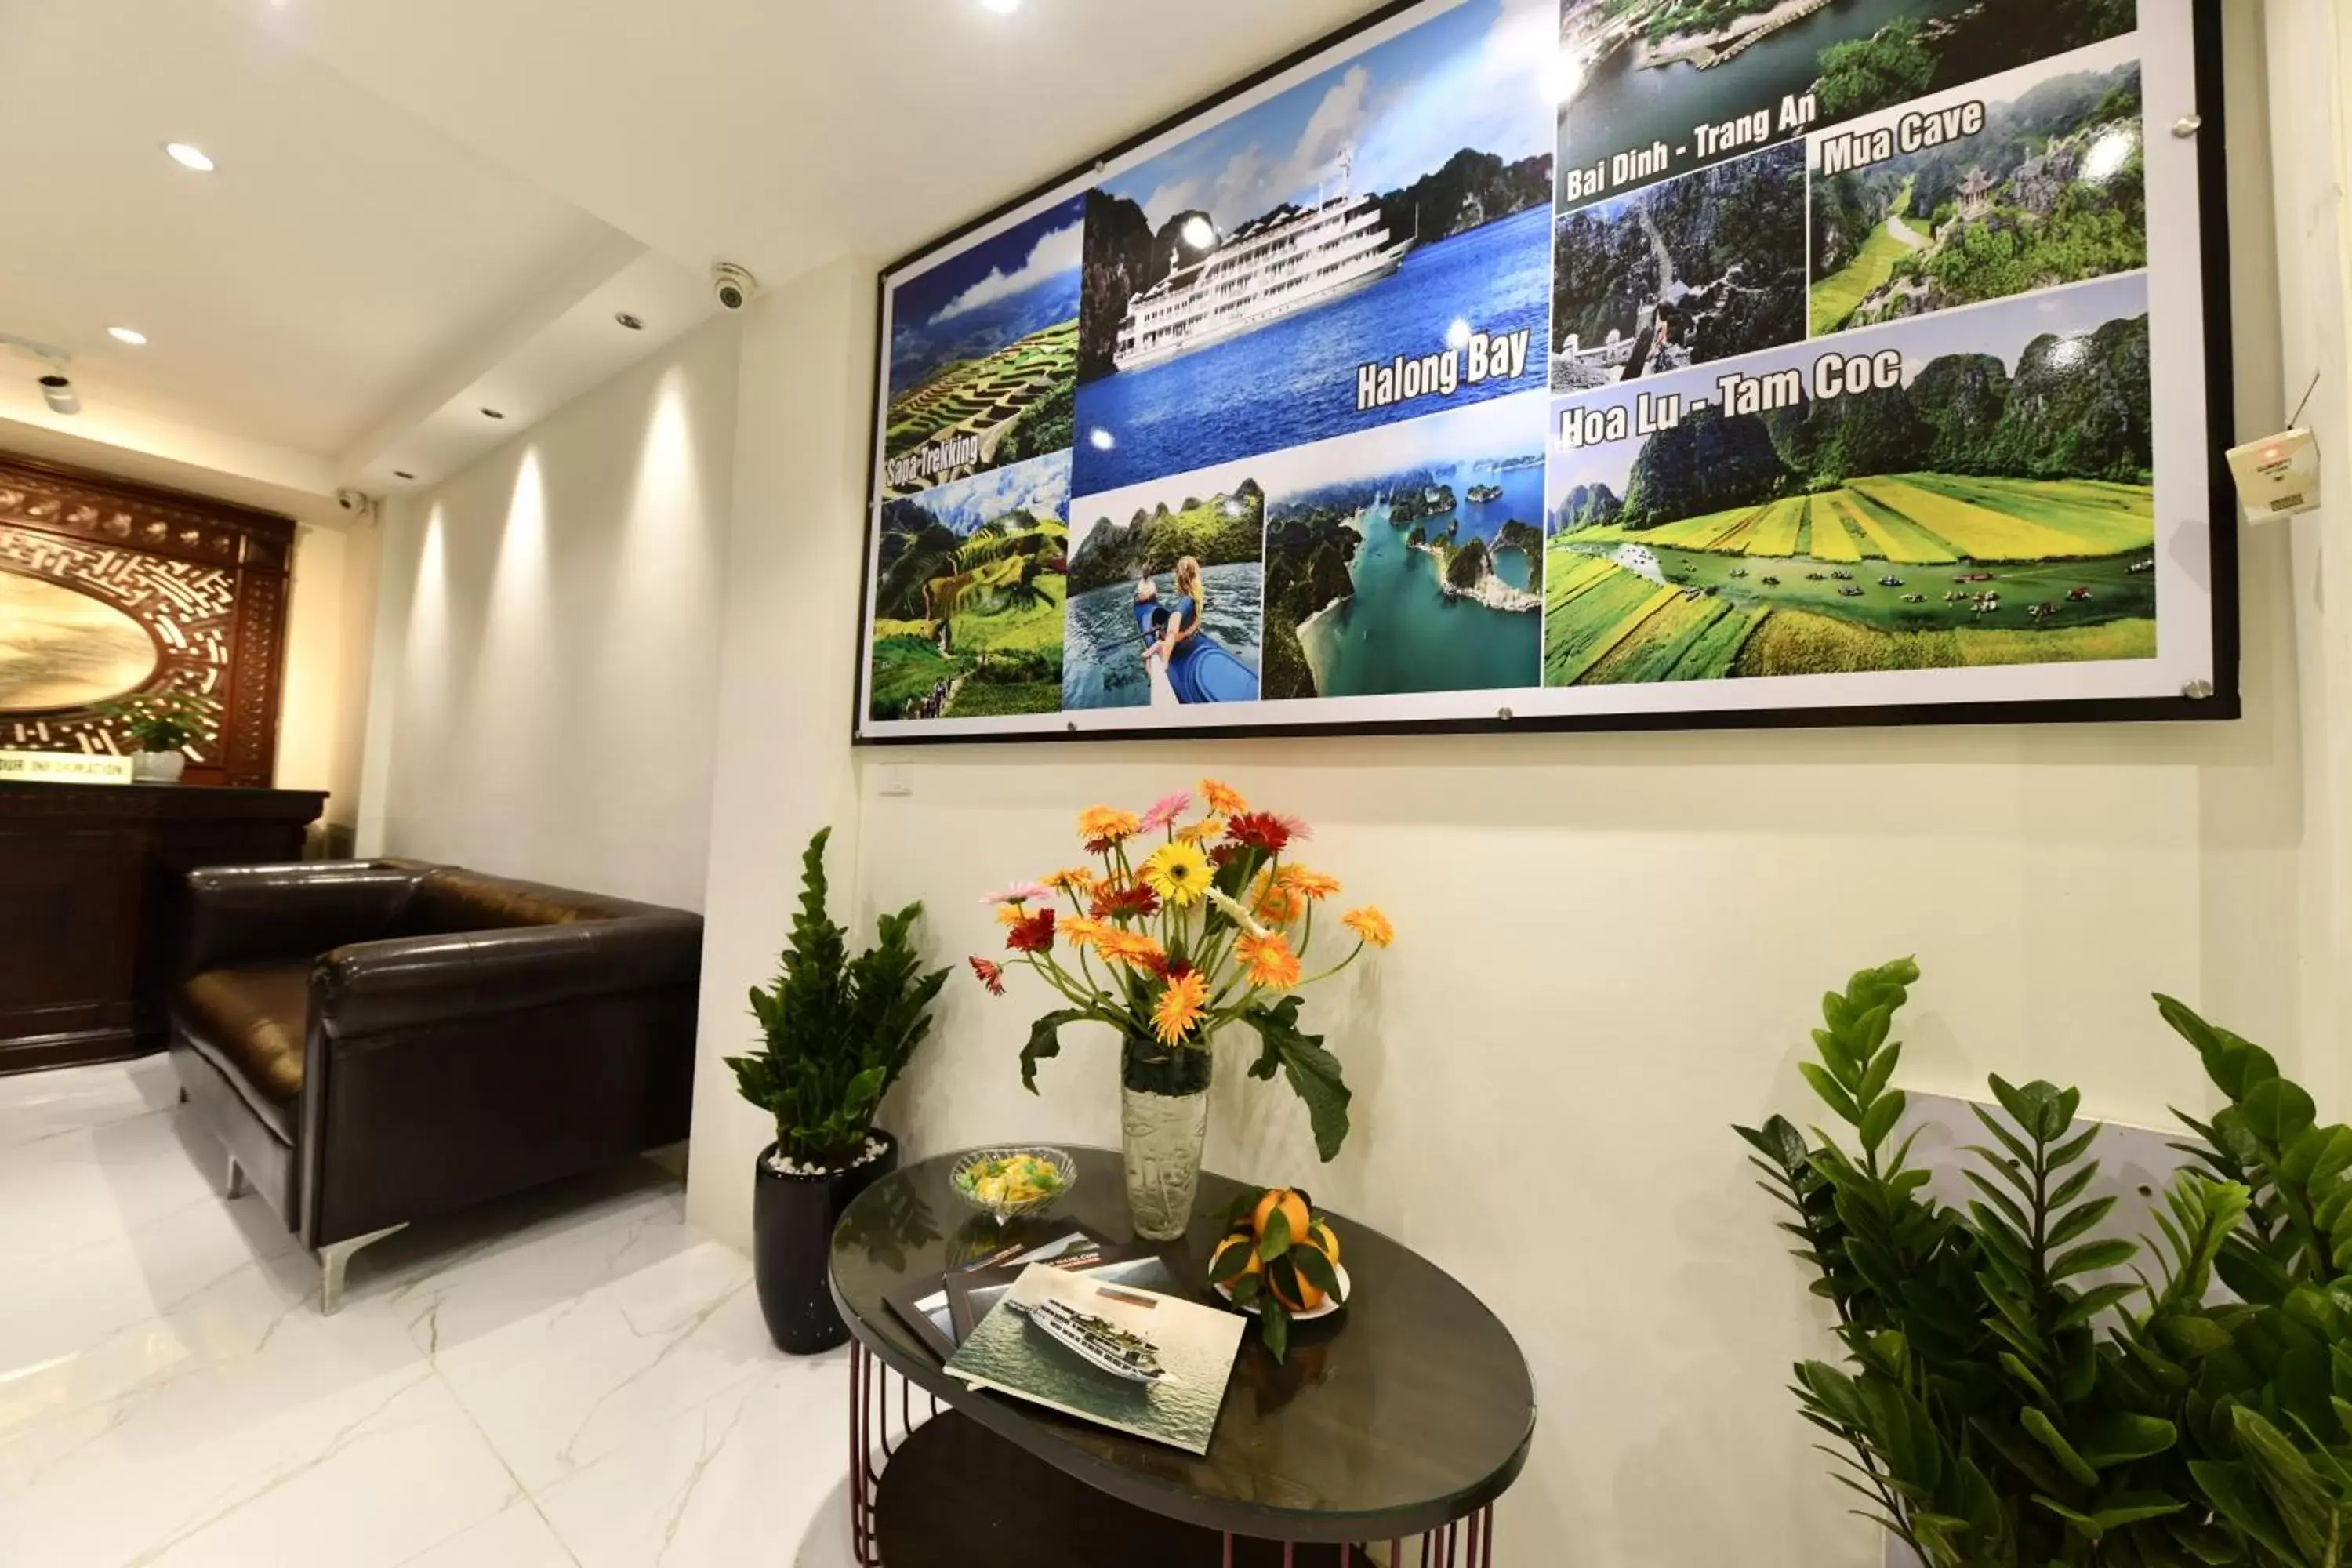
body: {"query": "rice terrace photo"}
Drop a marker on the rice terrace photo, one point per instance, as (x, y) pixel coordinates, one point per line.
(983, 356)
(968, 599)
(1993, 507)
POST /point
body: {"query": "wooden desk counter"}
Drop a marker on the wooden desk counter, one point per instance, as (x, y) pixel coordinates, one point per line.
(91, 903)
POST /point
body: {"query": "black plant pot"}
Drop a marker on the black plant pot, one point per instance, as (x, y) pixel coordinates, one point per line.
(792, 1241)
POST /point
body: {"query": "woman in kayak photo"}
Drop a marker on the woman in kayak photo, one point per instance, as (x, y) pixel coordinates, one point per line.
(1184, 662)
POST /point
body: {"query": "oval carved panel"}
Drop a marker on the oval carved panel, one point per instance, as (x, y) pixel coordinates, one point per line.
(62, 649)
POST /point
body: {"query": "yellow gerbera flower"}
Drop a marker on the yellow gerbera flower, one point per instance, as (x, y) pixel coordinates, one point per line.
(1371, 924)
(1010, 915)
(1200, 832)
(1078, 880)
(1080, 931)
(1132, 948)
(1180, 1006)
(1223, 799)
(1107, 826)
(1179, 873)
(1311, 884)
(1268, 960)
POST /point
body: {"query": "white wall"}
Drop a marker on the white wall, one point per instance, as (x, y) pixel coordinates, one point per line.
(1611, 946)
(548, 646)
(329, 643)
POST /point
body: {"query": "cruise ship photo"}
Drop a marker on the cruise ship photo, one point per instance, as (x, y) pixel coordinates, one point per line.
(1285, 261)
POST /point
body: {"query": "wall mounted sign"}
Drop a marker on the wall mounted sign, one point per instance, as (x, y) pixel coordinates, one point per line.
(109, 589)
(62, 767)
(1586, 364)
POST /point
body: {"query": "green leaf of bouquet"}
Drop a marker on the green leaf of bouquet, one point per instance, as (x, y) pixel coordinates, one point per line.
(1045, 1040)
(1314, 1073)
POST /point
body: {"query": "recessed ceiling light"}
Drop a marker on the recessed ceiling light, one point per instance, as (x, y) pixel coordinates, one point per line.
(188, 157)
(634, 323)
(1002, 7)
(492, 414)
(131, 335)
(401, 474)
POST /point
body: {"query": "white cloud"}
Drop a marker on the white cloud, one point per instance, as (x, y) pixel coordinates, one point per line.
(1250, 185)
(1062, 251)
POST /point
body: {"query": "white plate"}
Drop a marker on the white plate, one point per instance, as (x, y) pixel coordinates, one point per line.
(1330, 1303)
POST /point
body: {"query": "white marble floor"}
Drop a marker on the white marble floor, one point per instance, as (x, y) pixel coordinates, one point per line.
(572, 1380)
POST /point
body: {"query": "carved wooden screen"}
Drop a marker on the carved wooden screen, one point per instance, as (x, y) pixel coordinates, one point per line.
(110, 588)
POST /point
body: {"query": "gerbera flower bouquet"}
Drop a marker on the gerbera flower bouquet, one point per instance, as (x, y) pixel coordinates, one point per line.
(1176, 930)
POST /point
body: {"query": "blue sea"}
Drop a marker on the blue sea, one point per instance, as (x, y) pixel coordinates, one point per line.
(1295, 382)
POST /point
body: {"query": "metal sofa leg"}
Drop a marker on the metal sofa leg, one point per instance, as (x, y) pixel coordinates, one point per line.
(234, 1184)
(333, 1259)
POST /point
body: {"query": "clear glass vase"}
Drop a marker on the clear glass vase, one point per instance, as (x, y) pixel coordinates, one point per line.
(1163, 1124)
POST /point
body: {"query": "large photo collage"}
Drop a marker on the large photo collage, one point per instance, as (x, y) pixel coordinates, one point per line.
(1546, 343)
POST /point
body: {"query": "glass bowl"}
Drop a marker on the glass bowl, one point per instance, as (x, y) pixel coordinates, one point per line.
(967, 1170)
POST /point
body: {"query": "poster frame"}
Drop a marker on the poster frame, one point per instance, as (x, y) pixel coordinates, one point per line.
(2225, 703)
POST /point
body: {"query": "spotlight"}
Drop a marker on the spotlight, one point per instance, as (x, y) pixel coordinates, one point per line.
(189, 156)
(61, 392)
(131, 335)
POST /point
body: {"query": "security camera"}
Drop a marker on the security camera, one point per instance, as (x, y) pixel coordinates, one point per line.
(733, 286)
(355, 503)
(59, 391)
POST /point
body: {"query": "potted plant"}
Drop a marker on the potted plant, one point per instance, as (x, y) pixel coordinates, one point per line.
(1178, 929)
(2018, 1385)
(162, 725)
(836, 1032)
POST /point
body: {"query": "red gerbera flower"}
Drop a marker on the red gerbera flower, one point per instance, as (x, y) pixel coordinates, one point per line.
(1134, 900)
(1261, 830)
(990, 975)
(1035, 934)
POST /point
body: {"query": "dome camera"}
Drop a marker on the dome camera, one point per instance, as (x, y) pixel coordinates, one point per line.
(733, 286)
(59, 391)
(355, 503)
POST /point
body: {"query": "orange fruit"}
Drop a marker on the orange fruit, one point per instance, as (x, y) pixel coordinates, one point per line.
(1309, 1297)
(1292, 1207)
(1324, 1239)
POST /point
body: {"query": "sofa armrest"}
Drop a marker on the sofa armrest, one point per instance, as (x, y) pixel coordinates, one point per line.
(381, 987)
(253, 915)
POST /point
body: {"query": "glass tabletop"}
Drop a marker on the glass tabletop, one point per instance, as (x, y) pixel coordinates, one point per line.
(1411, 1408)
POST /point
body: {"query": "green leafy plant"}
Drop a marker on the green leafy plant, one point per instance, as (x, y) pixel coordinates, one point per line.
(836, 1030)
(163, 720)
(2005, 1396)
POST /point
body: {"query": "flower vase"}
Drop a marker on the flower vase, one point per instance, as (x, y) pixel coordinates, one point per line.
(1163, 1124)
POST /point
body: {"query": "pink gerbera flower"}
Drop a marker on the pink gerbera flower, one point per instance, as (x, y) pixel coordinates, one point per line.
(1022, 893)
(1163, 813)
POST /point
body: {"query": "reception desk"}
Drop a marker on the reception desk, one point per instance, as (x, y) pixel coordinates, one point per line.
(91, 880)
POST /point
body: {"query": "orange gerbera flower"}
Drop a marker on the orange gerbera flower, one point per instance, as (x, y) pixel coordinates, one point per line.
(1105, 825)
(1080, 931)
(1223, 799)
(1268, 960)
(1275, 904)
(1371, 924)
(1313, 884)
(1200, 832)
(1180, 1006)
(1132, 948)
(1078, 880)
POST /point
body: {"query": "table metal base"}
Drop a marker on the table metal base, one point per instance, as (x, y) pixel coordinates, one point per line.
(877, 1431)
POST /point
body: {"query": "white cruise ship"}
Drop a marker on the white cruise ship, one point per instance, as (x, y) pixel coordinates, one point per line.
(1270, 267)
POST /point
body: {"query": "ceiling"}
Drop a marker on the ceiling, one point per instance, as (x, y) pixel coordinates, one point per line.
(424, 204)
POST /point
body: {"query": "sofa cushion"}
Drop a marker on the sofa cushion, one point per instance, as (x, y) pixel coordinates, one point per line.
(256, 1018)
(450, 900)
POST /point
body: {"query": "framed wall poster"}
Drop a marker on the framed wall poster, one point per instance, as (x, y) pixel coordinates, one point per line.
(1585, 363)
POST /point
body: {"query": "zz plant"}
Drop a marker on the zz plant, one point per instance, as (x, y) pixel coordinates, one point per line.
(2007, 1394)
(836, 1031)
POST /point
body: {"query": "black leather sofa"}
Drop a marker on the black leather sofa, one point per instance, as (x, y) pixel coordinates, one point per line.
(379, 1042)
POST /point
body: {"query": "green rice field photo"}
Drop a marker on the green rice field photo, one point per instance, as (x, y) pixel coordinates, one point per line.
(1979, 515)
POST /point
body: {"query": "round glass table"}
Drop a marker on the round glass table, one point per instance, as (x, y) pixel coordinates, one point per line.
(1399, 1419)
